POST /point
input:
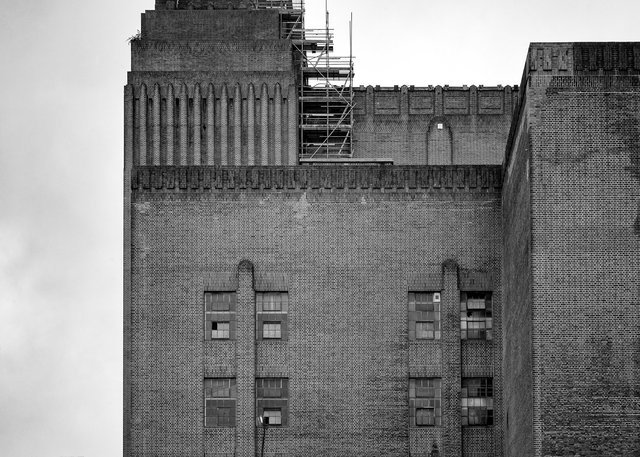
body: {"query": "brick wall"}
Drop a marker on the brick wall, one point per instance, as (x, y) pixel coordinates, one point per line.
(351, 242)
(402, 123)
(517, 317)
(215, 25)
(583, 125)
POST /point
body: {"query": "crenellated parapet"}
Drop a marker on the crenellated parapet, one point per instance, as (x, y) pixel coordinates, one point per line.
(391, 178)
(438, 125)
(435, 101)
(583, 59)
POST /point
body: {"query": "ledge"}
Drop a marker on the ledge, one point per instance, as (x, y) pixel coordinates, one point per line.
(449, 178)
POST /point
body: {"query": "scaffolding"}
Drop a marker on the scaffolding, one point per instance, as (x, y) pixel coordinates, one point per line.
(325, 96)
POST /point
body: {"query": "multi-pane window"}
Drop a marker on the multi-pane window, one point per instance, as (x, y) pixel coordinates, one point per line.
(220, 315)
(271, 330)
(220, 330)
(476, 319)
(272, 416)
(425, 402)
(477, 401)
(424, 316)
(272, 402)
(272, 309)
(220, 402)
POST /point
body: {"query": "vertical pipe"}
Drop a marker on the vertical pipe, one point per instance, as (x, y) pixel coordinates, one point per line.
(156, 125)
(171, 125)
(197, 125)
(264, 124)
(224, 125)
(251, 125)
(237, 125)
(142, 138)
(292, 113)
(211, 101)
(184, 100)
(278, 125)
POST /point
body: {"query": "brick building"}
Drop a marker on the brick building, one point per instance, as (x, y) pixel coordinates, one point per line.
(375, 271)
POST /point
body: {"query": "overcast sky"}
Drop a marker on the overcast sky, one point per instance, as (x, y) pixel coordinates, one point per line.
(64, 63)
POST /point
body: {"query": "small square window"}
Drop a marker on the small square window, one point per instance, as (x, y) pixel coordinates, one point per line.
(440, 126)
(272, 416)
(272, 330)
(219, 330)
(425, 330)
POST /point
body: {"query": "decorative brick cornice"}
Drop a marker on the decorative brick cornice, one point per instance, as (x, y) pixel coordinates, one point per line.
(210, 179)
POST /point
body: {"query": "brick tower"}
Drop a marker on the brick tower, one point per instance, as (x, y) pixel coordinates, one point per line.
(315, 269)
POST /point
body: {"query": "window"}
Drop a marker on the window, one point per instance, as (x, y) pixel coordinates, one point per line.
(272, 400)
(271, 310)
(272, 416)
(424, 330)
(425, 402)
(220, 330)
(220, 402)
(220, 315)
(271, 330)
(476, 321)
(424, 315)
(477, 401)
(425, 416)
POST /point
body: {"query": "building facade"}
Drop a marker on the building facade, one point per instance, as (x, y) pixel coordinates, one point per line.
(314, 269)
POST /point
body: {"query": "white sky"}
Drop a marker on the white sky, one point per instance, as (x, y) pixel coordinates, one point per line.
(63, 67)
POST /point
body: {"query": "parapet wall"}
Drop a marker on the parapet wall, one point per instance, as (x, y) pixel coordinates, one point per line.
(433, 125)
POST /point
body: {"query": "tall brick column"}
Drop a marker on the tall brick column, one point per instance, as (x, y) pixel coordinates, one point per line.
(246, 362)
(451, 360)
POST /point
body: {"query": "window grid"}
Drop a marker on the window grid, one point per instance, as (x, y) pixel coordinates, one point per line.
(272, 330)
(272, 400)
(219, 330)
(425, 402)
(219, 315)
(272, 416)
(272, 302)
(425, 310)
(220, 402)
(477, 401)
(476, 318)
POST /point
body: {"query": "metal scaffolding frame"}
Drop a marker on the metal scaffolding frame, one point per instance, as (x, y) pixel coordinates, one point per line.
(325, 85)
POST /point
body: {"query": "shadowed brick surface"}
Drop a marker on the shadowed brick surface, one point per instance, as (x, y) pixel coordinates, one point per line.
(584, 194)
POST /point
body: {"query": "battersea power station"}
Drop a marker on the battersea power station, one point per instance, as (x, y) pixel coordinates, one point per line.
(315, 269)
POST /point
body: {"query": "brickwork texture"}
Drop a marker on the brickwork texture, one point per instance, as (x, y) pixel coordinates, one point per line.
(530, 193)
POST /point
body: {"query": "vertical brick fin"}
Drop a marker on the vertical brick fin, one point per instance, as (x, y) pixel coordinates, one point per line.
(246, 362)
(473, 100)
(404, 103)
(451, 357)
(142, 136)
(251, 125)
(184, 101)
(439, 101)
(264, 125)
(129, 125)
(278, 126)
(292, 118)
(156, 125)
(211, 124)
(197, 126)
(224, 126)
(171, 124)
(237, 125)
